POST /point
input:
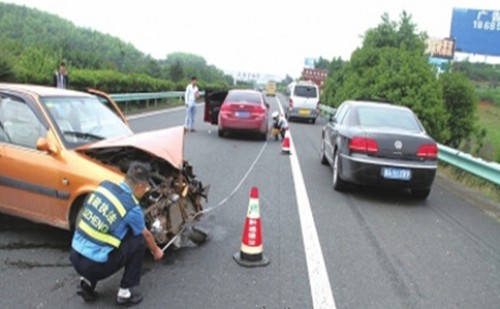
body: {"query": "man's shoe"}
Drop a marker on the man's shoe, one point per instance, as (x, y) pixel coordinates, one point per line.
(133, 300)
(86, 291)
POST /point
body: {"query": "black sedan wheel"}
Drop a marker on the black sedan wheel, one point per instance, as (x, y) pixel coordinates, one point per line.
(338, 183)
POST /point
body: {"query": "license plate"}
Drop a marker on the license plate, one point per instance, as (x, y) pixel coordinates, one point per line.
(304, 112)
(242, 114)
(396, 173)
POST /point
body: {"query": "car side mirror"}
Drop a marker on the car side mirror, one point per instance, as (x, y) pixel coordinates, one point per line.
(43, 144)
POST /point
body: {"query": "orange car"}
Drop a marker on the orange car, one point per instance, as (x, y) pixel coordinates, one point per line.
(57, 145)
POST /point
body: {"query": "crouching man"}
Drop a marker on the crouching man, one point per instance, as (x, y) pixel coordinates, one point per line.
(112, 234)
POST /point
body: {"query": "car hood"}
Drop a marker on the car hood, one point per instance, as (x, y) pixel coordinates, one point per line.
(167, 144)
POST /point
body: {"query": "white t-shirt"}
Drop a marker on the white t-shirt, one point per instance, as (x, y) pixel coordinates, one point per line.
(190, 95)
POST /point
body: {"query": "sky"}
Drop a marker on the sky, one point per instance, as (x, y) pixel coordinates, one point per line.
(258, 36)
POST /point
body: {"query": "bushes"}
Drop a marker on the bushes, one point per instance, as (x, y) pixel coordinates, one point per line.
(116, 82)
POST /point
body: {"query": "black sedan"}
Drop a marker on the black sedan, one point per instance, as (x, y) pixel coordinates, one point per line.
(379, 144)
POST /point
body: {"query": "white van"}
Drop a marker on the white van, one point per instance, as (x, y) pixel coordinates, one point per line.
(303, 101)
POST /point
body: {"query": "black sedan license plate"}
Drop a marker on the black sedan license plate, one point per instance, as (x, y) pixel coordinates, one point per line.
(396, 173)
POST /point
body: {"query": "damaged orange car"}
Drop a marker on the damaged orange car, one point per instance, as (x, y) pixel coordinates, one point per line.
(57, 145)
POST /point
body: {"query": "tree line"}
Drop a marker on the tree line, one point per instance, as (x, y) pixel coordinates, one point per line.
(35, 42)
(391, 65)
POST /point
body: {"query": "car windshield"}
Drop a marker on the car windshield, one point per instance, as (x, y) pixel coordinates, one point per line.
(387, 117)
(82, 120)
(243, 97)
(305, 91)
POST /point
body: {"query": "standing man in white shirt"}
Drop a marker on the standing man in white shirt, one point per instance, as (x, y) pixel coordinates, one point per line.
(192, 93)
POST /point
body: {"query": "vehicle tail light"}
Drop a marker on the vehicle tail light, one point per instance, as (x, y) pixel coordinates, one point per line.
(427, 151)
(290, 103)
(225, 109)
(363, 145)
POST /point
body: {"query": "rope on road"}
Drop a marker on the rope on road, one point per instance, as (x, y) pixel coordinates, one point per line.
(223, 201)
(238, 186)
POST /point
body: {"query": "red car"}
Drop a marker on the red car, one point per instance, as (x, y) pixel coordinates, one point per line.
(237, 110)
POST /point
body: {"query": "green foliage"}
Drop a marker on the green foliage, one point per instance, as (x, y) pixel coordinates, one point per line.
(481, 73)
(116, 82)
(37, 65)
(391, 66)
(176, 71)
(322, 63)
(491, 95)
(34, 42)
(335, 81)
(179, 66)
(460, 100)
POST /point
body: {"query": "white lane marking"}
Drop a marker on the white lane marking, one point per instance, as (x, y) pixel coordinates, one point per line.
(321, 291)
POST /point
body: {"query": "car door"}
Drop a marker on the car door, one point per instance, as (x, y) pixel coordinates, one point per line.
(29, 182)
(213, 102)
(332, 131)
(105, 99)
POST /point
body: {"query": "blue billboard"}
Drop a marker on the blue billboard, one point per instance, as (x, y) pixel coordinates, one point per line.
(476, 31)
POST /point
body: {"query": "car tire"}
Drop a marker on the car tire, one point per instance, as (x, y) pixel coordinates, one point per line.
(313, 121)
(220, 133)
(337, 183)
(263, 137)
(420, 194)
(323, 159)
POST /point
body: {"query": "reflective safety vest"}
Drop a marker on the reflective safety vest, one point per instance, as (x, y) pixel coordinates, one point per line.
(102, 211)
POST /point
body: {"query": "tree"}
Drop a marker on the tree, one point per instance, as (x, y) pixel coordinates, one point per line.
(176, 72)
(335, 80)
(322, 63)
(460, 100)
(391, 66)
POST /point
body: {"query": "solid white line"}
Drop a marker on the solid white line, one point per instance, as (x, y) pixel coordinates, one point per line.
(321, 291)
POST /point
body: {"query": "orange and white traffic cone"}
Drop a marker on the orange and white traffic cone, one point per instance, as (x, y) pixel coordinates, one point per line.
(251, 251)
(285, 146)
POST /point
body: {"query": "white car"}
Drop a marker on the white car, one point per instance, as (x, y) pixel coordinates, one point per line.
(303, 101)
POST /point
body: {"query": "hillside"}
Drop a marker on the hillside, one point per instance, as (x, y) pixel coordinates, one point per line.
(22, 27)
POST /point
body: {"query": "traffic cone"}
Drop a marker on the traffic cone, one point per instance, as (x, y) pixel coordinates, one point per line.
(251, 254)
(285, 146)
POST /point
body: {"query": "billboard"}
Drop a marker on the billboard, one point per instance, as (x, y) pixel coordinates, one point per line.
(440, 48)
(309, 63)
(476, 31)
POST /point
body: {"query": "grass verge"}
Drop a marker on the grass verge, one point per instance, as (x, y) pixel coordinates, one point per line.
(470, 181)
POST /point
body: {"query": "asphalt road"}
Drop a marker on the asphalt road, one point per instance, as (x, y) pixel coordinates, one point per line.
(380, 248)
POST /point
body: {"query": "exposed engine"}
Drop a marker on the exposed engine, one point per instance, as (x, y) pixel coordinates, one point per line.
(175, 197)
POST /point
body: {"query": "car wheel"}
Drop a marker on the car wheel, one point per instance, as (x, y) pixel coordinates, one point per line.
(220, 132)
(313, 121)
(324, 161)
(337, 182)
(420, 194)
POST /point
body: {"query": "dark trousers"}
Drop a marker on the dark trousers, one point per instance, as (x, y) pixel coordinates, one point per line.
(130, 255)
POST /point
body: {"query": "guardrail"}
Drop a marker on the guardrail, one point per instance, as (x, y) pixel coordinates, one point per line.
(464, 161)
(487, 170)
(146, 96)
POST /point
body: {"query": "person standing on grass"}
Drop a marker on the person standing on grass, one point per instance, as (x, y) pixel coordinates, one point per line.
(192, 93)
